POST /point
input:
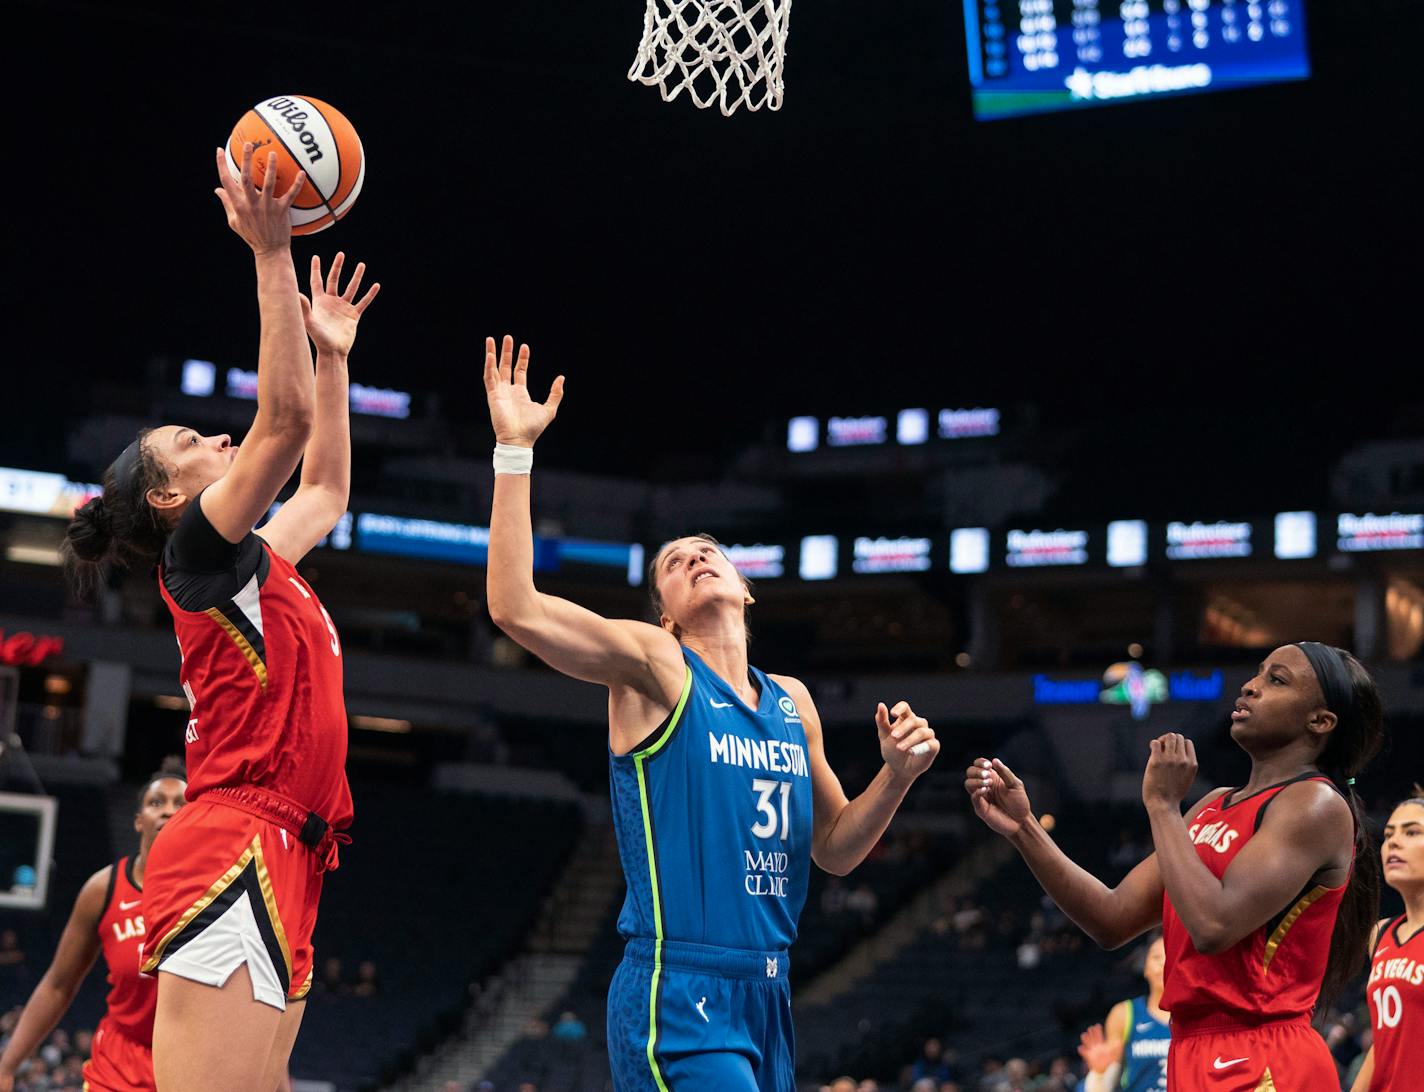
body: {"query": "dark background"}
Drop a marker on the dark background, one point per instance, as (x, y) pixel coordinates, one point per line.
(1230, 278)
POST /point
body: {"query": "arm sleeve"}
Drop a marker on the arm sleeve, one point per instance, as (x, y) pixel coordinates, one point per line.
(201, 569)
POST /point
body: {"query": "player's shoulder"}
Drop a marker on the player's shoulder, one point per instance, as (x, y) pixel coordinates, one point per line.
(94, 896)
(1377, 932)
(798, 690)
(1311, 800)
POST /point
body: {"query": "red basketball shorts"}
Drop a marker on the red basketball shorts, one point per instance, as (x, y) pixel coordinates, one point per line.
(117, 1063)
(1285, 1056)
(226, 886)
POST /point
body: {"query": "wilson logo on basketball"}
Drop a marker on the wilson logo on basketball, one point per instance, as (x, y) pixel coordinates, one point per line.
(296, 117)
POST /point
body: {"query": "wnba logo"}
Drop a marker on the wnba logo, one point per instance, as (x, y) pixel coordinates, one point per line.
(788, 707)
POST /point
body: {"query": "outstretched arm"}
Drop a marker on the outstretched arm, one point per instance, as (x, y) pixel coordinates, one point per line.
(272, 447)
(847, 830)
(564, 635)
(1112, 916)
(1306, 832)
(78, 948)
(331, 317)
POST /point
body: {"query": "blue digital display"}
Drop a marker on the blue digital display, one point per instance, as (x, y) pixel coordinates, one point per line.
(1035, 56)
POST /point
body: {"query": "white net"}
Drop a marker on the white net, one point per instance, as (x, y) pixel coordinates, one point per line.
(727, 53)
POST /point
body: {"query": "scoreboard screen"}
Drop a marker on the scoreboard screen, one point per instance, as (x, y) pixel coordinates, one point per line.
(1034, 56)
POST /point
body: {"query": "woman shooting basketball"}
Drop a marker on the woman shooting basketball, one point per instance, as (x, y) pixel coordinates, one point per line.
(721, 791)
(1266, 893)
(232, 888)
(107, 917)
(1395, 989)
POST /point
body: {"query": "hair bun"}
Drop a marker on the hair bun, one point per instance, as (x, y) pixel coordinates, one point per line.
(90, 532)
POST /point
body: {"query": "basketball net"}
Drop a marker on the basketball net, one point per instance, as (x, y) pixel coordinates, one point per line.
(727, 52)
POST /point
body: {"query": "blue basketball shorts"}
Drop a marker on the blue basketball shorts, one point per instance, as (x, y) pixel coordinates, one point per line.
(685, 1017)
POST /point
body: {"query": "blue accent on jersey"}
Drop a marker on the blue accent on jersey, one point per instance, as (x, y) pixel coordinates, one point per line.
(723, 1020)
(1144, 1049)
(713, 819)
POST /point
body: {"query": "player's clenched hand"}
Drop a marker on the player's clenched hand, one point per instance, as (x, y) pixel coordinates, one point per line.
(331, 315)
(1095, 1050)
(1000, 798)
(1171, 771)
(517, 419)
(260, 216)
(907, 742)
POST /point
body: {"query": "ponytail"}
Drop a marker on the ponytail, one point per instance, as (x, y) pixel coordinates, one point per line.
(1357, 738)
(118, 529)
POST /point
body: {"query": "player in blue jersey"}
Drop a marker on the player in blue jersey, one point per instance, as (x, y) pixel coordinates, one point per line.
(721, 792)
(1132, 1053)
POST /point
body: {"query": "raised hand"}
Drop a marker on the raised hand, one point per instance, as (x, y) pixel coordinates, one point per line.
(517, 419)
(907, 742)
(259, 216)
(1000, 798)
(1095, 1050)
(331, 316)
(1171, 771)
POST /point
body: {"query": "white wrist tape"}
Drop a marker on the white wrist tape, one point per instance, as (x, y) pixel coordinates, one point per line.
(513, 459)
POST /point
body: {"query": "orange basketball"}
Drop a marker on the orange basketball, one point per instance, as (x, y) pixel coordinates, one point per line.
(307, 135)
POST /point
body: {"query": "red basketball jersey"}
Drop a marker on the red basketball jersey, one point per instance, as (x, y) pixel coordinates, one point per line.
(131, 997)
(1396, 993)
(1275, 972)
(263, 675)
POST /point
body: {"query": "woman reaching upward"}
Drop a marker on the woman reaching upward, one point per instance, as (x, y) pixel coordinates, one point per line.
(721, 792)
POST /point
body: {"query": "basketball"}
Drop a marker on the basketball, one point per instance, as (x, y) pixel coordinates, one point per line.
(308, 135)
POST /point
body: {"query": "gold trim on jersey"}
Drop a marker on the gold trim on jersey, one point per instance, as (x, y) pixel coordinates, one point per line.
(253, 853)
(1267, 1084)
(264, 884)
(1292, 916)
(301, 994)
(249, 653)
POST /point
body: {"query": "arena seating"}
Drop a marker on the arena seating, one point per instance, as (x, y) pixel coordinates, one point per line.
(436, 890)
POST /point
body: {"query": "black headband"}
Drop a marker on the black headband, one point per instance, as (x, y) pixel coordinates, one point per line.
(128, 465)
(1333, 675)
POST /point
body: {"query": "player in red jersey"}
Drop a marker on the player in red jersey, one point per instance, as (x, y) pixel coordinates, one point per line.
(1266, 892)
(107, 916)
(1396, 984)
(232, 889)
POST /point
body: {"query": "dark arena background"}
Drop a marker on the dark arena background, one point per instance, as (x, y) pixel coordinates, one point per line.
(1051, 425)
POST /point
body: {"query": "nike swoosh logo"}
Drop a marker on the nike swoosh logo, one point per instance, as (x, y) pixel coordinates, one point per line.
(1219, 1064)
(130, 905)
(1145, 1027)
(719, 704)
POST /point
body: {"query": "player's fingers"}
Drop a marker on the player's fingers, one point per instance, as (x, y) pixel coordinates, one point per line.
(506, 359)
(491, 367)
(882, 718)
(521, 367)
(919, 735)
(925, 747)
(365, 301)
(354, 285)
(306, 307)
(333, 275)
(900, 709)
(906, 726)
(225, 178)
(245, 166)
(269, 177)
(1010, 781)
(288, 199)
(1190, 750)
(556, 395)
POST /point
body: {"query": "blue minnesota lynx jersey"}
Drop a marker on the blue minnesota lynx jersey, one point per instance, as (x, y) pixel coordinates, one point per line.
(1144, 1050)
(713, 817)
